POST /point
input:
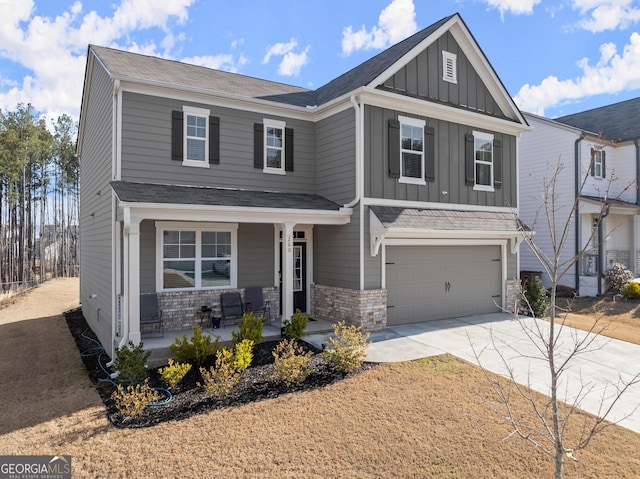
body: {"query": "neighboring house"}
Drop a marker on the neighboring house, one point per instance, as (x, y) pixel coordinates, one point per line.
(599, 153)
(386, 196)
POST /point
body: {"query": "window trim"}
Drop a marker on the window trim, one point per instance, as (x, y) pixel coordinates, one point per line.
(198, 228)
(598, 155)
(451, 59)
(268, 123)
(487, 137)
(197, 112)
(417, 123)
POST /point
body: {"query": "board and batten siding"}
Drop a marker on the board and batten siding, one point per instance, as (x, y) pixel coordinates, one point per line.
(422, 78)
(449, 185)
(96, 207)
(146, 148)
(336, 157)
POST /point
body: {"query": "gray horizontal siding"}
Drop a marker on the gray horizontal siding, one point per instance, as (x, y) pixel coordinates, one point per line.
(449, 165)
(146, 148)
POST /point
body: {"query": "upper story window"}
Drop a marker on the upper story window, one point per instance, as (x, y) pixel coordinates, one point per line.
(449, 67)
(412, 150)
(598, 163)
(274, 143)
(483, 161)
(196, 258)
(196, 136)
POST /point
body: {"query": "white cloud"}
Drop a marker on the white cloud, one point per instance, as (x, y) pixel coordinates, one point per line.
(515, 7)
(226, 62)
(602, 15)
(53, 50)
(613, 72)
(395, 23)
(291, 62)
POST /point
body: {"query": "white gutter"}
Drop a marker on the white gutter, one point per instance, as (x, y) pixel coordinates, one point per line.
(359, 153)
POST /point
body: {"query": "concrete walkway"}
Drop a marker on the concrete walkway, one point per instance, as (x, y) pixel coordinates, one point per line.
(498, 338)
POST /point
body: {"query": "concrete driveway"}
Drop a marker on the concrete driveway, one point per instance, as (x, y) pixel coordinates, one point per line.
(498, 338)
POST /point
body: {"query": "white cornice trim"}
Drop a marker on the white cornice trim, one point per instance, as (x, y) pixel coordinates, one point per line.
(426, 205)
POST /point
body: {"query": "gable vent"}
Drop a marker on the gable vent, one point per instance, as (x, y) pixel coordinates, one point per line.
(449, 70)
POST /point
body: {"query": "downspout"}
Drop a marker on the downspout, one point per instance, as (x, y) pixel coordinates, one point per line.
(637, 145)
(578, 178)
(601, 247)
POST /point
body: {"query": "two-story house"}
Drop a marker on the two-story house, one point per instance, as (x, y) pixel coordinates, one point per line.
(387, 196)
(595, 158)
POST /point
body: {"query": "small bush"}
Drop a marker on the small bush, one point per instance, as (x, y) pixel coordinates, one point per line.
(294, 327)
(249, 328)
(131, 363)
(174, 372)
(536, 300)
(194, 351)
(348, 349)
(291, 364)
(243, 355)
(631, 290)
(220, 379)
(133, 399)
(617, 276)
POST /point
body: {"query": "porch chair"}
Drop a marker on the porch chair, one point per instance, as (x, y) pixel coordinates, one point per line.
(150, 315)
(255, 303)
(231, 306)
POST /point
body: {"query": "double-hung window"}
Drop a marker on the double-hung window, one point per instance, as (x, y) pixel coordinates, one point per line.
(196, 136)
(483, 161)
(411, 150)
(202, 257)
(274, 146)
(597, 169)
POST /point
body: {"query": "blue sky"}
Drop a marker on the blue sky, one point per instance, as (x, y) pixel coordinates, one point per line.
(554, 57)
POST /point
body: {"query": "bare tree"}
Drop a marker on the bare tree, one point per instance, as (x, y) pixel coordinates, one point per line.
(546, 424)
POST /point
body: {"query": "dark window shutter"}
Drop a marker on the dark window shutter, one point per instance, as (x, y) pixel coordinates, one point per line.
(469, 152)
(593, 162)
(604, 164)
(258, 145)
(214, 140)
(177, 130)
(288, 149)
(394, 148)
(429, 154)
(497, 164)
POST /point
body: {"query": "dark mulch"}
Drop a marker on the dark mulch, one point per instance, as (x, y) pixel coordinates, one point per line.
(188, 398)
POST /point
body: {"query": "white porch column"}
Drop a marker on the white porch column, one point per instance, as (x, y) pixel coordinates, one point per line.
(132, 237)
(287, 270)
(634, 245)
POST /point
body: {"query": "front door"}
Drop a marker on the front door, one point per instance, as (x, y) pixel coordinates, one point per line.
(299, 276)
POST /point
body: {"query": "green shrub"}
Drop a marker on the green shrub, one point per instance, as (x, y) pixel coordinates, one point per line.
(243, 355)
(536, 300)
(291, 365)
(196, 350)
(133, 399)
(617, 276)
(631, 290)
(249, 328)
(220, 379)
(294, 327)
(174, 372)
(131, 363)
(348, 349)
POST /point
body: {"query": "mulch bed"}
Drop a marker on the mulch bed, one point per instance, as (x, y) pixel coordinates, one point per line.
(188, 398)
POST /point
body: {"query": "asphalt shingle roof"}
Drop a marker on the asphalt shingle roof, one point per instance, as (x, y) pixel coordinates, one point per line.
(134, 192)
(447, 220)
(617, 122)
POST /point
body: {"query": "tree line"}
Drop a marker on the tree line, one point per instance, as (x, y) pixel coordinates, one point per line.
(38, 197)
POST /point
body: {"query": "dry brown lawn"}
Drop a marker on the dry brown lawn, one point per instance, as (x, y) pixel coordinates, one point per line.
(426, 418)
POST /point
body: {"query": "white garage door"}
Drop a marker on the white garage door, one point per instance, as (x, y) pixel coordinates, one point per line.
(437, 282)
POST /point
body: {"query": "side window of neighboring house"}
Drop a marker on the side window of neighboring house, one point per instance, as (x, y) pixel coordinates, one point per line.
(483, 161)
(195, 137)
(411, 150)
(598, 158)
(273, 147)
(196, 258)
